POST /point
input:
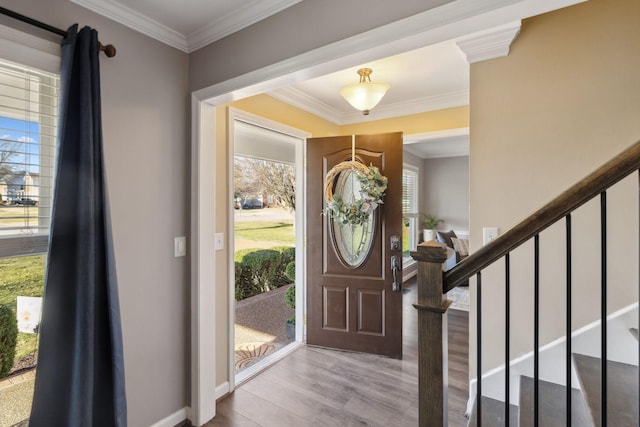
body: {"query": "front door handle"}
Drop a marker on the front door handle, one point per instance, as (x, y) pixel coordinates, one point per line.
(395, 268)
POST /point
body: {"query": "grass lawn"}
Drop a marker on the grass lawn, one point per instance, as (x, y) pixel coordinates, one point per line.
(15, 215)
(22, 276)
(278, 232)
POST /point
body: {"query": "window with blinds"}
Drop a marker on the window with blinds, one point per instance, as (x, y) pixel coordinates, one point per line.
(28, 107)
(409, 209)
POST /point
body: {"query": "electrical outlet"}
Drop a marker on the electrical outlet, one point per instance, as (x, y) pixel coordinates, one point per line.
(489, 234)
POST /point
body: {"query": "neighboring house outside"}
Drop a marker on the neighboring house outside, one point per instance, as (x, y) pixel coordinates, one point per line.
(21, 186)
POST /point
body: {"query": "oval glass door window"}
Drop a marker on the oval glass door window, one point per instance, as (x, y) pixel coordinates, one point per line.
(353, 242)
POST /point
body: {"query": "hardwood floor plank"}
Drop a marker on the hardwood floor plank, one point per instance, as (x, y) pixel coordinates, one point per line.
(262, 412)
(321, 387)
(314, 408)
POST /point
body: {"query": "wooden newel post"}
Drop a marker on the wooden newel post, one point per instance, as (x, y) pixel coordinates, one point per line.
(432, 334)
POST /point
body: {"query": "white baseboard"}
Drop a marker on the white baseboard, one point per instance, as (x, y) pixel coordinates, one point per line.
(222, 390)
(174, 419)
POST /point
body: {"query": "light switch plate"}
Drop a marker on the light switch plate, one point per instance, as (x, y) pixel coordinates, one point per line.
(489, 234)
(219, 241)
(179, 246)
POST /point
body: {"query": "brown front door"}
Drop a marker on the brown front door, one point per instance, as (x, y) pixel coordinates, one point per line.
(352, 303)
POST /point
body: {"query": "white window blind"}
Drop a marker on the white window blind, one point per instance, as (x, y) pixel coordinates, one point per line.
(409, 191)
(28, 117)
(409, 211)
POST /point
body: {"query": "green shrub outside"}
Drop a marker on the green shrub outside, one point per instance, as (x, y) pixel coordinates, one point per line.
(287, 254)
(263, 265)
(290, 271)
(290, 300)
(261, 270)
(8, 337)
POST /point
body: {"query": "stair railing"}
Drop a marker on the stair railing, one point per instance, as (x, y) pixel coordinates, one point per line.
(433, 284)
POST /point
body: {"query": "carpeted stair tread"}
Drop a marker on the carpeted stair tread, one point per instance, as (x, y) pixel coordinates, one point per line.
(634, 332)
(493, 413)
(622, 390)
(552, 408)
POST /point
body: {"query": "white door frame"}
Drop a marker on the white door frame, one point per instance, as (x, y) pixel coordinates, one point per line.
(300, 155)
(450, 21)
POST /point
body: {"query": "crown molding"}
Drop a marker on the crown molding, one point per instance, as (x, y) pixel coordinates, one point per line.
(437, 144)
(413, 106)
(415, 138)
(303, 101)
(218, 28)
(439, 149)
(257, 11)
(336, 116)
(490, 44)
(136, 21)
(235, 21)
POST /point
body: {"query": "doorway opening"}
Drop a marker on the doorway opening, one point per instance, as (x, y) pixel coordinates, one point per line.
(267, 292)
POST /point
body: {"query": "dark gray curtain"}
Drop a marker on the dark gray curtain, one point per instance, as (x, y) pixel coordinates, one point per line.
(80, 374)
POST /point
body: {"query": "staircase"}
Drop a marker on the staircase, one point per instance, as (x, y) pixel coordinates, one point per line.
(586, 404)
(602, 381)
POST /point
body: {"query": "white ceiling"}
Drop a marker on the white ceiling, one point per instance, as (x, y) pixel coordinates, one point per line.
(427, 79)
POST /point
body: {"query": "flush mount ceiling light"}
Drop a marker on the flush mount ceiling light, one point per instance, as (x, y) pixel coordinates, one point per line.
(364, 95)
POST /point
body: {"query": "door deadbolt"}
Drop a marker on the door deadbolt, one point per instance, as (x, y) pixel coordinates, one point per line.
(394, 243)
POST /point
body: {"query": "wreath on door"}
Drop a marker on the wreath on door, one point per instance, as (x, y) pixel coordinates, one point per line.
(372, 189)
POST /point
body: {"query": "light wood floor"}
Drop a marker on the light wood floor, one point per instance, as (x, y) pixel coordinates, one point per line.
(321, 387)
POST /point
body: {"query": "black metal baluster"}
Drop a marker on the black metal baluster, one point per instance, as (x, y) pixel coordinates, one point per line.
(536, 325)
(479, 347)
(603, 306)
(568, 332)
(506, 344)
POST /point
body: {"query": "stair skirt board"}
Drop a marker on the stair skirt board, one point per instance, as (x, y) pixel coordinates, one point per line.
(585, 340)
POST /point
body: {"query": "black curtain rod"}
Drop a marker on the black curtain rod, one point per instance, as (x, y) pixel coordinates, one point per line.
(108, 50)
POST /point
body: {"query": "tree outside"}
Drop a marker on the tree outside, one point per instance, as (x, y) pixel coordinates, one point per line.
(270, 181)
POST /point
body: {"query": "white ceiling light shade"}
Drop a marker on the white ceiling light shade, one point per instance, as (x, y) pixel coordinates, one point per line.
(364, 95)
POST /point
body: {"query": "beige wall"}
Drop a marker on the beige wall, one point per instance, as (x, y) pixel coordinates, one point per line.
(444, 191)
(564, 101)
(146, 143)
